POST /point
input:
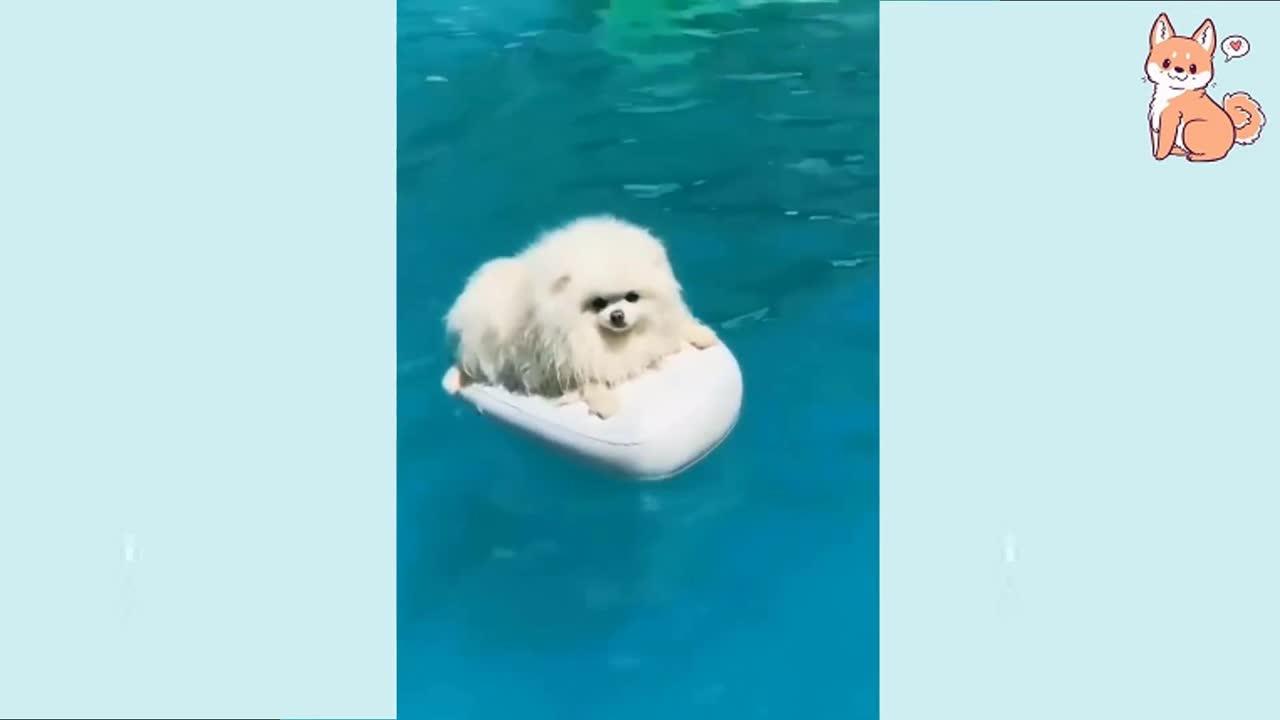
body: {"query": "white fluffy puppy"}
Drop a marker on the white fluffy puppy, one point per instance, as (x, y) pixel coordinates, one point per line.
(586, 307)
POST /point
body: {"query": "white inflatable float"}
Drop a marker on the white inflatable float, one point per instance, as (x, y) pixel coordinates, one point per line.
(670, 418)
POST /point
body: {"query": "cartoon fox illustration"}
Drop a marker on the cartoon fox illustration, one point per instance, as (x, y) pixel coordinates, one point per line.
(1184, 119)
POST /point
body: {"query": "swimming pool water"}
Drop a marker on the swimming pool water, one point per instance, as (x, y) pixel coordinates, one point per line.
(745, 134)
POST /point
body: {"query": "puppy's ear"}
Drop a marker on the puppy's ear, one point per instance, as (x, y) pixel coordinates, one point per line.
(1206, 35)
(1161, 30)
(560, 284)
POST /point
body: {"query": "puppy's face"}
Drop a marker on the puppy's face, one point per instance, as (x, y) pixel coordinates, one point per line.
(619, 312)
(617, 300)
(1181, 63)
(609, 280)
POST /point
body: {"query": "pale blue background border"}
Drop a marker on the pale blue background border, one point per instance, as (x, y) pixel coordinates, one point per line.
(197, 380)
(1080, 373)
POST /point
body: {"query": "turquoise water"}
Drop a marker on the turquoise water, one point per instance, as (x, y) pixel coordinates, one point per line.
(746, 136)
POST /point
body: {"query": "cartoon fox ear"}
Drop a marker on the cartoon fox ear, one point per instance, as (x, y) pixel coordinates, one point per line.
(1161, 30)
(1206, 35)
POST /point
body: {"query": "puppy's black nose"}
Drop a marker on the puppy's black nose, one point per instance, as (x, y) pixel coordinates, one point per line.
(617, 319)
(1177, 69)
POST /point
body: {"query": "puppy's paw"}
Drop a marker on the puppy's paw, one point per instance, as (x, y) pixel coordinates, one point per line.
(701, 336)
(601, 401)
(453, 380)
(568, 398)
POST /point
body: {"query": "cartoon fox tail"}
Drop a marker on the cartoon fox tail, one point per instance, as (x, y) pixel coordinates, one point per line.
(1246, 115)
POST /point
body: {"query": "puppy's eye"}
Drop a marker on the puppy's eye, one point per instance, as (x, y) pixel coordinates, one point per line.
(599, 304)
(1193, 69)
(633, 296)
(1165, 64)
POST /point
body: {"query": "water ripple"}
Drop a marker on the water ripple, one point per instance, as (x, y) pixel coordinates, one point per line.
(635, 109)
